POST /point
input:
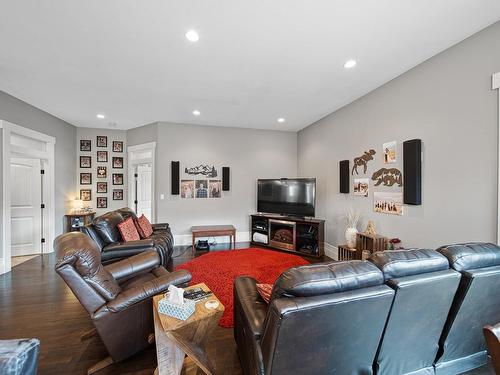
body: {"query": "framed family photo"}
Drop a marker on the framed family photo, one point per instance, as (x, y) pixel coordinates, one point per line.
(117, 178)
(117, 146)
(102, 141)
(85, 195)
(85, 145)
(102, 187)
(117, 194)
(85, 162)
(85, 178)
(102, 202)
(117, 162)
(102, 156)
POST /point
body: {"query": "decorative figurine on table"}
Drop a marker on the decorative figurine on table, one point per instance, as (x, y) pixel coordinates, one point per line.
(370, 229)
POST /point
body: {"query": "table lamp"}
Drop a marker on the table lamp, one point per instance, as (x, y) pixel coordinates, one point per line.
(77, 205)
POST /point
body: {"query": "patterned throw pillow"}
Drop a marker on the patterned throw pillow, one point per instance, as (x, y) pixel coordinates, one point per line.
(128, 230)
(143, 226)
(265, 291)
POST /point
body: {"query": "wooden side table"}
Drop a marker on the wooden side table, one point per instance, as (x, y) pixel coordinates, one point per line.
(214, 231)
(175, 338)
(85, 218)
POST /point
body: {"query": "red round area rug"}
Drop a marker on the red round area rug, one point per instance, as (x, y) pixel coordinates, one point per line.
(219, 269)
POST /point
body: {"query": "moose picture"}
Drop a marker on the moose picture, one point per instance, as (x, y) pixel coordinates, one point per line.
(362, 161)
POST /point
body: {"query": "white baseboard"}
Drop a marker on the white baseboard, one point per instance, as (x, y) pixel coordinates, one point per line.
(186, 239)
(331, 251)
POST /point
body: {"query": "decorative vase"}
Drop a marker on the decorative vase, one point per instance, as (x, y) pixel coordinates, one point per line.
(350, 237)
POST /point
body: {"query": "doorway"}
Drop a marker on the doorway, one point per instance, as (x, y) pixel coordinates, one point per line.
(27, 222)
(25, 206)
(141, 162)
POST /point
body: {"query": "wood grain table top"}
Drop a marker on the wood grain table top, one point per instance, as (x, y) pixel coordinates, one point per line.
(212, 228)
(201, 312)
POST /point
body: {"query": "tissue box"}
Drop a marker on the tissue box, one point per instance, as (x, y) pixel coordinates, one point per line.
(177, 311)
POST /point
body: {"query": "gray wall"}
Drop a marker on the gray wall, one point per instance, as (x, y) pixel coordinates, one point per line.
(251, 154)
(448, 103)
(113, 135)
(21, 113)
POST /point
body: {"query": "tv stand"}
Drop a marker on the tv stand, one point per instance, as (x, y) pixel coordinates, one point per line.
(300, 235)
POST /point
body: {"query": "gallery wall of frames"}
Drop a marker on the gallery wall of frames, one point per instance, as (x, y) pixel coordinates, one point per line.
(102, 169)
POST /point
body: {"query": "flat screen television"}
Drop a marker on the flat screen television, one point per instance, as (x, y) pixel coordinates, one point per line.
(287, 196)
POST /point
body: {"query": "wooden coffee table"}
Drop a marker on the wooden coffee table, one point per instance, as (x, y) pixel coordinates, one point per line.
(175, 338)
(214, 231)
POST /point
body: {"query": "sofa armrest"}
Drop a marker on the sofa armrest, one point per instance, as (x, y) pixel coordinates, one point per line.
(251, 306)
(130, 245)
(147, 290)
(137, 264)
(160, 226)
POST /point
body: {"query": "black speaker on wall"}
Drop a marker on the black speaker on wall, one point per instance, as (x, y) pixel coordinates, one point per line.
(225, 178)
(175, 178)
(344, 176)
(412, 172)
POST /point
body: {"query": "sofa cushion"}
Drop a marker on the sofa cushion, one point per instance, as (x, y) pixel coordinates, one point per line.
(107, 226)
(127, 212)
(468, 256)
(265, 291)
(143, 226)
(128, 230)
(326, 278)
(401, 263)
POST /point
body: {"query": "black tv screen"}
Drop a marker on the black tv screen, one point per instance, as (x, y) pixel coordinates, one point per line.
(291, 196)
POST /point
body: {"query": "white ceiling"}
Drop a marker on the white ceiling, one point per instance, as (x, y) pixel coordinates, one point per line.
(255, 61)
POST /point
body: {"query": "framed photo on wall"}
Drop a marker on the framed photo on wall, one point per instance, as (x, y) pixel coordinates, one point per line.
(85, 161)
(102, 172)
(102, 141)
(85, 178)
(117, 146)
(86, 195)
(117, 178)
(102, 156)
(102, 187)
(102, 202)
(85, 145)
(117, 162)
(117, 194)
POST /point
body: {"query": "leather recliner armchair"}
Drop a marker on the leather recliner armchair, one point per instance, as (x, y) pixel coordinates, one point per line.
(118, 297)
(424, 287)
(322, 319)
(462, 346)
(105, 233)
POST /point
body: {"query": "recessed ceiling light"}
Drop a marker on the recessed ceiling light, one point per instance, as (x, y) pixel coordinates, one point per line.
(192, 36)
(196, 112)
(281, 119)
(101, 116)
(350, 64)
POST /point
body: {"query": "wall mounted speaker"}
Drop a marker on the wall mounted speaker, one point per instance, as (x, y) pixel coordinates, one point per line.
(175, 178)
(225, 178)
(344, 176)
(412, 172)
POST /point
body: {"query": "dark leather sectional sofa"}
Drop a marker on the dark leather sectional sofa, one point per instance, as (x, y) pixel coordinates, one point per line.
(417, 312)
(105, 233)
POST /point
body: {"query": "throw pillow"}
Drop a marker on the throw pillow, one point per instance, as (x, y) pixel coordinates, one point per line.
(265, 291)
(128, 230)
(144, 226)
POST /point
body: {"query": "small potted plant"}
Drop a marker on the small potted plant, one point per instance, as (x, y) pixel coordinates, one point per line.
(393, 244)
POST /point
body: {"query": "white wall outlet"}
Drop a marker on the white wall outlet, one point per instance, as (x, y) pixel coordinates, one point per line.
(162, 196)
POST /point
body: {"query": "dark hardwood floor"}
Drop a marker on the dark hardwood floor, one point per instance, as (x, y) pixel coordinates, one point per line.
(35, 302)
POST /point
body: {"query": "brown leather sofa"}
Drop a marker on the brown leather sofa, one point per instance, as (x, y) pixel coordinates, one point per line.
(118, 297)
(322, 319)
(105, 233)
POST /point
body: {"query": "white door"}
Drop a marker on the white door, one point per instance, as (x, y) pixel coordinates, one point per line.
(25, 206)
(144, 184)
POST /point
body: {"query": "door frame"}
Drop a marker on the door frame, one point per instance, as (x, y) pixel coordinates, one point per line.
(47, 159)
(145, 147)
(495, 85)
